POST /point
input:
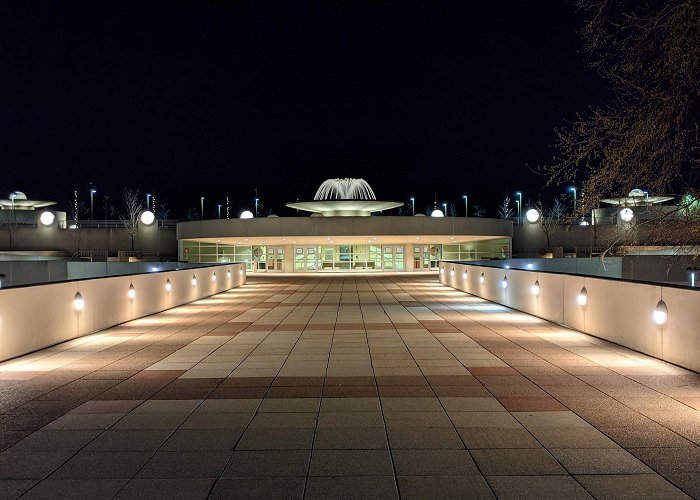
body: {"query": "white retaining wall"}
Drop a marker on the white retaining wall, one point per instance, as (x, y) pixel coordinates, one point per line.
(618, 311)
(34, 317)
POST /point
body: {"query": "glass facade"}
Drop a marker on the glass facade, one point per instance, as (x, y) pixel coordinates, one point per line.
(325, 257)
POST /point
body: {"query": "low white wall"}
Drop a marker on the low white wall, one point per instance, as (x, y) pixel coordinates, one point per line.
(34, 317)
(618, 311)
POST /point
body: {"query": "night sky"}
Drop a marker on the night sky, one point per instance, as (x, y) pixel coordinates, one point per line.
(190, 99)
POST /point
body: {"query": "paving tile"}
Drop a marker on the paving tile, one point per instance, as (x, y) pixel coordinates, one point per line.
(84, 421)
(350, 404)
(417, 419)
(350, 439)
(351, 463)
(14, 488)
(102, 465)
(470, 404)
(167, 489)
(499, 419)
(145, 421)
(516, 462)
(424, 438)
(32, 465)
(336, 420)
(69, 489)
(179, 464)
(202, 440)
(433, 463)
(287, 420)
(56, 440)
(630, 487)
(290, 405)
(350, 488)
(254, 487)
(272, 463)
(276, 439)
(411, 404)
(456, 487)
(129, 440)
(225, 420)
(537, 488)
(599, 461)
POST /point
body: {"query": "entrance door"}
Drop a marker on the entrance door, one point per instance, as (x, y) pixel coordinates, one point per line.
(275, 259)
(305, 258)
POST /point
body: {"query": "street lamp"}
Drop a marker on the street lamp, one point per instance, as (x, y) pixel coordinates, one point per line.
(413, 206)
(219, 209)
(148, 201)
(573, 189)
(520, 205)
(256, 206)
(201, 206)
(445, 207)
(92, 194)
(466, 205)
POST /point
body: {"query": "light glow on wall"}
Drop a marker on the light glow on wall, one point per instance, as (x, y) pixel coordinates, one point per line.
(168, 286)
(194, 280)
(228, 274)
(131, 293)
(452, 272)
(78, 302)
(660, 314)
(535, 288)
(482, 279)
(582, 297)
(626, 214)
(464, 275)
(504, 283)
(213, 277)
(246, 214)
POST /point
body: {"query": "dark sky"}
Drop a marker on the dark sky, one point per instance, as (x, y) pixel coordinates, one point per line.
(190, 99)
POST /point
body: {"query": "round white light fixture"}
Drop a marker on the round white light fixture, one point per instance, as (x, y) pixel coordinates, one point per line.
(47, 218)
(626, 214)
(194, 280)
(660, 314)
(442, 270)
(532, 215)
(213, 277)
(147, 217)
(582, 297)
(78, 302)
(246, 214)
(240, 272)
(228, 274)
(452, 273)
(437, 213)
(530, 265)
(535, 288)
(504, 283)
(482, 279)
(168, 286)
(131, 293)
(464, 275)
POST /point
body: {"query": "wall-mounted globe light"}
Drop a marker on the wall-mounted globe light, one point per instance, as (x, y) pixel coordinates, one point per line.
(47, 218)
(437, 213)
(147, 218)
(464, 275)
(131, 293)
(246, 214)
(213, 277)
(228, 274)
(660, 314)
(78, 302)
(504, 283)
(535, 288)
(194, 280)
(240, 272)
(452, 272)
(482, 278)
(532, 215)
(582, 297)
(627, 214)
(168, 286)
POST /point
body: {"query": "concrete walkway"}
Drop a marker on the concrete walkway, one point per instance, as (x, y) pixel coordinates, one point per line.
(346, 387)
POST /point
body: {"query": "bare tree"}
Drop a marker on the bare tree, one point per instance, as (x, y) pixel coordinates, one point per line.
(478, 211)
(132, 208)
(551, 218)
(9, 223)
(648, 136)
(505, 211)
(192, 214)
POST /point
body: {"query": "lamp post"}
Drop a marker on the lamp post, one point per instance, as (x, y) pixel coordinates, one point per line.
(517, 209)
(148, 201)
(444, 205)
(413, 206)
(256, 206)
(218, 207)
(466, 205)
(520, 205)
(201, 206)
(92, 194)
(573, 189)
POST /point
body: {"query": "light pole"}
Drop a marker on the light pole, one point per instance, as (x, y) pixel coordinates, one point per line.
(201, 206)
(256, 206)
(444, 205)
(520, 205)
(573, 189)
(413, 206)
(466, 205)
(218, 207)
(148, 201)
(92, 194)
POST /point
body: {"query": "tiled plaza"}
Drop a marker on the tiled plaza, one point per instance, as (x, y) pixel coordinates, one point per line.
(346, 387)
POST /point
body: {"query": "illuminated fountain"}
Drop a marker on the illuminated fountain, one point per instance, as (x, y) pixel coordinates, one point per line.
(344, 198)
